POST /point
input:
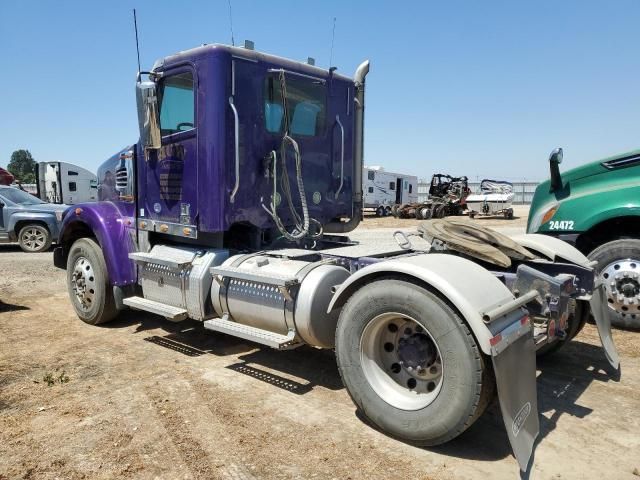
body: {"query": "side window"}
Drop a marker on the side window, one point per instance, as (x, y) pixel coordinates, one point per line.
(306, 101)
(392, 185)
(370, 189)
(371, 175)
(411, 188)
(176, 104)
(72, 186)
(71, 173)
(406, 184)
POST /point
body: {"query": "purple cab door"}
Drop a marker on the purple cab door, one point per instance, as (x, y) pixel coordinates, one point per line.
(171, 172)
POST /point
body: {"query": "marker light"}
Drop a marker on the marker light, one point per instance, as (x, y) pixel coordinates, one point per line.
(549, 215)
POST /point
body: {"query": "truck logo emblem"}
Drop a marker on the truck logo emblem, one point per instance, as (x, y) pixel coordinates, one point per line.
(157, 208)
(317, 197)
(521, 417)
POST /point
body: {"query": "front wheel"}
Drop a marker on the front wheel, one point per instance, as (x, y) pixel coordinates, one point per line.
(619, 269)
(410, 363)
(88, 283)
(34, 238)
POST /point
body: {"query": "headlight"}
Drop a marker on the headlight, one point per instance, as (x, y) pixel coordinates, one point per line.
(59, 215)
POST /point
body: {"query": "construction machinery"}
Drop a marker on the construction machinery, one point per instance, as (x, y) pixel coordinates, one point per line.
(447, 197)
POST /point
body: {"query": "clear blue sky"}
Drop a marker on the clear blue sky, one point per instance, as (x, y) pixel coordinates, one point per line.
(476, 87)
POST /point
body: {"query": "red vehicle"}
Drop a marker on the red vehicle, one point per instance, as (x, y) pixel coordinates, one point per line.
(5, 177)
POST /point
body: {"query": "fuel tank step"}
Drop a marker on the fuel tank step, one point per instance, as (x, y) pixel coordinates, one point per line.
(171, 257)
(263, 337)
(168, 311)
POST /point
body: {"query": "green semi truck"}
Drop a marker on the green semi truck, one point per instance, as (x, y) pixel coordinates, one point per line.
(596, 208)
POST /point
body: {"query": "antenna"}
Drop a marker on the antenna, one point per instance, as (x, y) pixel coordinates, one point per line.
(135, 25)
(233, 43)
(333, 35)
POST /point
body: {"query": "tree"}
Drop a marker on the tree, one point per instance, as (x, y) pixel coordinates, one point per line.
(23, 166)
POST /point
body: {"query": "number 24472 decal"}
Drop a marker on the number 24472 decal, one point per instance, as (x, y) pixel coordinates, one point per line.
(561, 225)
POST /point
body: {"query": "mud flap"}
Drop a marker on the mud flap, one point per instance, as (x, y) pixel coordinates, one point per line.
(515, 371)
(600, 311)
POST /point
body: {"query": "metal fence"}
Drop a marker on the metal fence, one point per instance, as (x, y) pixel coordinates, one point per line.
(523, 190)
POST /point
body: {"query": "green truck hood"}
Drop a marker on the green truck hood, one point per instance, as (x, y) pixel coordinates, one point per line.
(591, 193)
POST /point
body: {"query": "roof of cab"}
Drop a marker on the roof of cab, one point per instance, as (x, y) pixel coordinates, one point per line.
(253, 55)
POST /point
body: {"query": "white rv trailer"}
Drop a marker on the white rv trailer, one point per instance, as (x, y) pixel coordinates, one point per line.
(60, 182)
(382, 190)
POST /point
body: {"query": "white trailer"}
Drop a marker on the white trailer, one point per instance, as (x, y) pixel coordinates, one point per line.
(60, 182)
(384, 189)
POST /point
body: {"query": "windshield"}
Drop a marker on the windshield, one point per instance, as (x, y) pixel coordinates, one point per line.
(18, 196)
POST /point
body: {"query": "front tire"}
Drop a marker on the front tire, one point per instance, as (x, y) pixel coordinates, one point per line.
(410, 363)
(34, 238)
(619, 263)
(88, 283)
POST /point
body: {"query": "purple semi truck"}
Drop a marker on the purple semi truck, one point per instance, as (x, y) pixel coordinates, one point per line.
(232, 209)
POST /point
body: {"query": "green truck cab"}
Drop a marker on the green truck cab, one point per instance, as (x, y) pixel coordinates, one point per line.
(596, 208)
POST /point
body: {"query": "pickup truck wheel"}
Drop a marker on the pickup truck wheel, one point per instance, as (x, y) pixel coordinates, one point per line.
(619, 269)
(410, 363)
(34, 238)
(88, 283)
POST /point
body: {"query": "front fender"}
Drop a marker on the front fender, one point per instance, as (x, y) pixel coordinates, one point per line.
(113, 226)
(49, 219)
(471, 289)
(552, 247)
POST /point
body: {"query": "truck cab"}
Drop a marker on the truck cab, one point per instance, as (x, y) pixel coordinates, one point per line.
(596, 208)
(232, 209)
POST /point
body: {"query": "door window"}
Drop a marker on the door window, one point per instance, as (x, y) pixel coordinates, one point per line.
(176, 104)
(72, 186)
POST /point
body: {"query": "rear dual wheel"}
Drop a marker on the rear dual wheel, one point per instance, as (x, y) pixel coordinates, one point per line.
(410, 363)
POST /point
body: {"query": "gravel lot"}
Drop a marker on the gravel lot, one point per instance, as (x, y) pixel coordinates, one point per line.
(145, 398)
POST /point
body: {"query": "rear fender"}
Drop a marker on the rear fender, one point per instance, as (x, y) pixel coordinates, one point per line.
(471, 289)
(112, 228)
(552, 247)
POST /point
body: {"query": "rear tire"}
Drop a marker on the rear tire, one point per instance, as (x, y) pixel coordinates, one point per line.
(615, 259)
(394, 319)
(380, 212)
(88, 283)
(34, 238)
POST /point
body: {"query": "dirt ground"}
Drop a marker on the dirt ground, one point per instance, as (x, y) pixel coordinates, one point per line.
(145, 398)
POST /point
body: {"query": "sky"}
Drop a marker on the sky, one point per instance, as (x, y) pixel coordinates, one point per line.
(476, 88)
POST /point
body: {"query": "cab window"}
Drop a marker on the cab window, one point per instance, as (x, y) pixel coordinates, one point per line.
(306, 100)
(176, 103)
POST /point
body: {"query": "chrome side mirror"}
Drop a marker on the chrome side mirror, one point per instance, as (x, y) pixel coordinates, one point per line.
(556, 156)
(148, 116)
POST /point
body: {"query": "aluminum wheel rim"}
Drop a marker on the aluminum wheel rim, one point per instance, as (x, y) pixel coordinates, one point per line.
(622, 283)
(401, 361)
(83, 283)
(33, 238)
